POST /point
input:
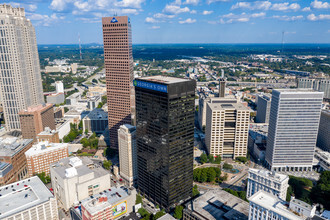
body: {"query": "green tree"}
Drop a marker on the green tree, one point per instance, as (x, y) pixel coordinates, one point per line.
(94, 81)
(203, 158)
(158, 215)
(227, 166)
(195, 191)
(138, 199)
(44, 178)
(66, 109)
(242, 159)
(178, 212)
(211, 158)
(217, 159)
(86, 131)
(203, 176)
(143, 212)
(211, 174)
(107, 164)
(321, 191)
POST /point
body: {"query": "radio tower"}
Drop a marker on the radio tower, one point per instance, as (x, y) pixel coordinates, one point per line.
(80, 47)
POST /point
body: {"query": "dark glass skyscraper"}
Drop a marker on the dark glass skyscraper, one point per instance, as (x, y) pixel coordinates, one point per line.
(165, 138)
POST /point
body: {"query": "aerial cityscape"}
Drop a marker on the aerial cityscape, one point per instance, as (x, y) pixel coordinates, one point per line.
(143, 109)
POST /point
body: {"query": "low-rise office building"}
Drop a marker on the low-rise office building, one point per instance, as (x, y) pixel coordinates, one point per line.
(214, 205)
(74, 179)
(274, 183)
(110, 204)
(264, 205)
(13, 165)
(41, 155)
(96, 121)
(27, 199)
(55, 98)
(48, 135)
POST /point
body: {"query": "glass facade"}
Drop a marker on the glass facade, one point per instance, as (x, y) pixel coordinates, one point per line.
(165, 141)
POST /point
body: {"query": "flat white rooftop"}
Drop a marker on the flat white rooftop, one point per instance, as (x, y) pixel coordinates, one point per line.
(273, 204)
(44, 147)
(163, 79)
(22, 195)
(269, 174)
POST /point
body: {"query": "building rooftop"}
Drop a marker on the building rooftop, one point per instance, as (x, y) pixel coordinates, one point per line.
(227, 106)
(35, 108)
(22, 195)
(10, 146)
(219, 204)
(97, 114)
(44, 147)
(299, 90)
(107, 198)
(167, 217)
(274, 204)
(74, 166)
(269, 174)
(164, 79)
(48, 131)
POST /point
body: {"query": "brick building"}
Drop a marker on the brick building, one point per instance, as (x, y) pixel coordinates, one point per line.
(12, 159)
(49, 135)
(40, 156)
(34, 119)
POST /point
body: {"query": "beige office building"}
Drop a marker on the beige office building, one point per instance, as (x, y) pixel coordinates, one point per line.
(127, 153)
(20, 78)
(227, 127)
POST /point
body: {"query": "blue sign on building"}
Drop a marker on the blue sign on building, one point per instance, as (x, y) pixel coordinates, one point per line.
(114, 20)
(151, 86)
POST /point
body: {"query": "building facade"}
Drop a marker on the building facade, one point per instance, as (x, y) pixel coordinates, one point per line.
(111, 204)
(13, 166)
(96, 121)
(20, 78)
(41, 155)
(321, 85)
(165, 138)
(323, 140)
(26, 200)
(118, 59)
(35, 119)
(48, 135)
(267, 206)
(271, 182)
(227, 129)
(127, 153)
(263, 106)
(293, 127)
(74, 179)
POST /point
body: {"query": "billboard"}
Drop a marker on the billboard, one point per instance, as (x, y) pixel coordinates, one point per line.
(150, 85)
(119, 209)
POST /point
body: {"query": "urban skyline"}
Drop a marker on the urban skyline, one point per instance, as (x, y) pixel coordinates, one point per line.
(194, 21)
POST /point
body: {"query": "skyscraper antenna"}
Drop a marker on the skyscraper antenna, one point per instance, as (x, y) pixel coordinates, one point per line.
(79, 46)
(282, 41)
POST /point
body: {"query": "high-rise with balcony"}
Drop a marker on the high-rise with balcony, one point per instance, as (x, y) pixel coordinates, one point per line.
(165, 138)
(118, 59)
(20, 79)
(293, 127)
(227, 129)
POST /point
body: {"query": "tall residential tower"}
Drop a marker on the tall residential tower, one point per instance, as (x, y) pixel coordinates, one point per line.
(293, 127)
(20, 79)
(118, 59)
(165, 138)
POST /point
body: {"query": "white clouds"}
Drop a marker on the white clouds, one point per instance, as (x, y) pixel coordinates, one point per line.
(207, 12)
(313, 17)
(320, 5)
(306, 9)
(288, 18)
(233, 18)
(266, 5)
(154, 27)
(151, 20)
(27, 7)
(191, 2)
(59, 5)
(213, 1)
(44, 20)
(193, 12)
(285, 6)
(130, 3)
(188, 21)
(175, 9)
(257, 5)
(163, 16)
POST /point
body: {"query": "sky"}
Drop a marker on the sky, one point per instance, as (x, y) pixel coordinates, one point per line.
(182, 21)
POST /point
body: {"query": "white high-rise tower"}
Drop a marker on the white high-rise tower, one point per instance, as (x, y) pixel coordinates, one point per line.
(20, 79)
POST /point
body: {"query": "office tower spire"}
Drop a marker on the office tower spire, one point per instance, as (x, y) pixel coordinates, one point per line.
(20, 79)
(118, 59)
